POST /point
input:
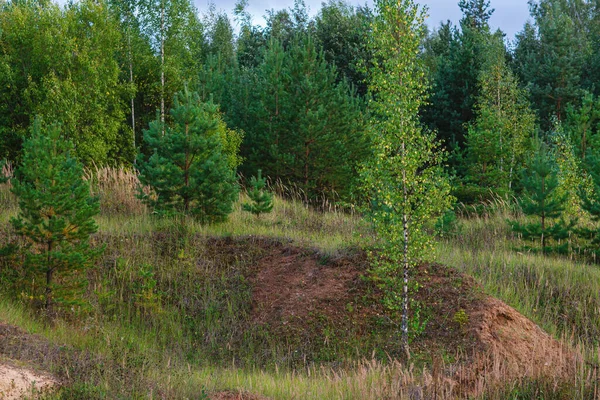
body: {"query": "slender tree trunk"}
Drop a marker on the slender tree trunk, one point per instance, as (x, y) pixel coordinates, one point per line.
(49, 273)
(306, 156)
(277, 132)
(406, 263)
(499, 116)
(186, 198)
(131, 82)
(162, 66)
(543, 216)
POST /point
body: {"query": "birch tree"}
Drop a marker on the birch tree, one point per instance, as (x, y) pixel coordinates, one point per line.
(498, 139)
(403, 179)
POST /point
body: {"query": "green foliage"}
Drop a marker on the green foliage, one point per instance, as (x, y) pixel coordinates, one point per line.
(456, 60)
(498, 139)
(262, 200)
(70, 76)
(303, 125)
(56, 218)
(461, 318)
(550, 56)
(447, 224)
(582, 124)
(590, 202)
(342, 32)
(403, 179)
(3, 178)
(541, 200)
(571, 171)
(177, 37)
(190, 171)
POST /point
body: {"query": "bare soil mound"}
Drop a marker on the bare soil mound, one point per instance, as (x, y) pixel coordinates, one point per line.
(292, 284)
(512, 347)
(475, 336)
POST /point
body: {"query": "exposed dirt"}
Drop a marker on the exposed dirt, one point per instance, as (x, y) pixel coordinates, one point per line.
(291, 283)
(475, 336)
(325, 306)
(512, 347)
(17, 382)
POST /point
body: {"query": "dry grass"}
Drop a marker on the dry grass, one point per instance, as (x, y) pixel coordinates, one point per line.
(117, 188)
(563, 296)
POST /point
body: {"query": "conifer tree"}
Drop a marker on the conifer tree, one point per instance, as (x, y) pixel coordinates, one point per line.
(56, 217)
(590, 202)
(542, 200)
(262, 200)
(403, 179)
(189, 172)
(455, 77)
(550, 57)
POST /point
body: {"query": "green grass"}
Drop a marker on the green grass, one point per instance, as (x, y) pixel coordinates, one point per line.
(327, 231)
(168, 312)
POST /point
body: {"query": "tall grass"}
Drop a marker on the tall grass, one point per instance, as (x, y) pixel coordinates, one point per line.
(169, 313)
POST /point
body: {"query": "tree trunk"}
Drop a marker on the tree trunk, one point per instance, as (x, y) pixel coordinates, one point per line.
(543, 216)
(186, 198)
(131, 82)
(49, 273)
(406, 265)
(162, 66)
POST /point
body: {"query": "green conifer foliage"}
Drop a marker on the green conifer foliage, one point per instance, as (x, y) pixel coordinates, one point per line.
(590, 202)
(262, 200)
(542, 201)
(190, 171)
(56, 218)
(3, 179)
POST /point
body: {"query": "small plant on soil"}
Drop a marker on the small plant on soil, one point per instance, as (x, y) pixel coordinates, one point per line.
(461, 318)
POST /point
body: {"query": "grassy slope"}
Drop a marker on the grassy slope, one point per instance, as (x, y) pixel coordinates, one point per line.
(131, 341)
(561, 295)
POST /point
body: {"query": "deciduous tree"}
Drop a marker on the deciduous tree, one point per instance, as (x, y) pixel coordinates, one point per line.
(403, 180)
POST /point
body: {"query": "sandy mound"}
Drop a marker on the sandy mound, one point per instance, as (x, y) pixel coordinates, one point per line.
(18, 382)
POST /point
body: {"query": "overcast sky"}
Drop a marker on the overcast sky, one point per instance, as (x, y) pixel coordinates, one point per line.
(510, 15)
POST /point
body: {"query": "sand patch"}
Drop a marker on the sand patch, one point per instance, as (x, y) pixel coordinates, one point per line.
(16, 383)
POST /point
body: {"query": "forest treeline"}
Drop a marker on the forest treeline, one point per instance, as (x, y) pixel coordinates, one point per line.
(296, 90)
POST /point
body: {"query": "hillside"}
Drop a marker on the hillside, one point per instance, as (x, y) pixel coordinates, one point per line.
(289, 313)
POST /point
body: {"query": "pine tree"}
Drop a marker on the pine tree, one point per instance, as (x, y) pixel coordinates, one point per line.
(542, 200)
(455, 77)
(583, 124)
(403, 179)
(550, 59)
(590, 202)
(56, 217)
(189, 172)
(262, 200)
